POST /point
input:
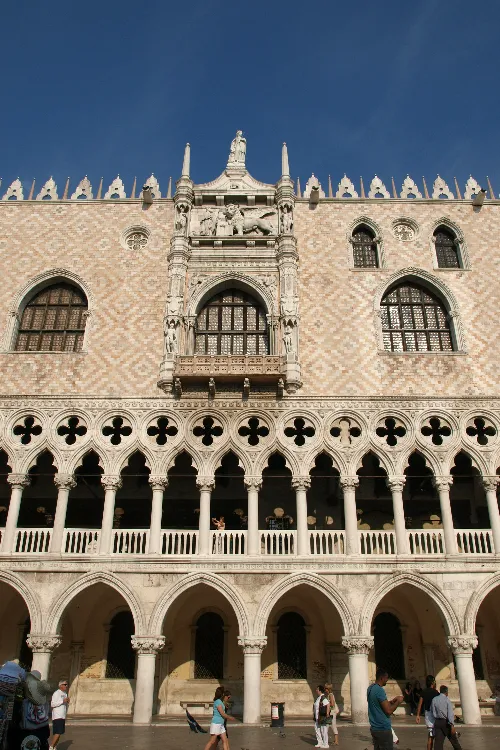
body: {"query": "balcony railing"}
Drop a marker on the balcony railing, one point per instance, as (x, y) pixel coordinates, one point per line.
(258, 367)
(179, 542)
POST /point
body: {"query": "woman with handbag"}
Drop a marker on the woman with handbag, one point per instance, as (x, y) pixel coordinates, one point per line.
(334, 709)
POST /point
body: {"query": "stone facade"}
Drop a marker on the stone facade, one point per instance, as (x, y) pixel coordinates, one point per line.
(416, 541)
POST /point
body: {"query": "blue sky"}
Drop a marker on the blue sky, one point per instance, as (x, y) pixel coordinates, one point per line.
(388, 87)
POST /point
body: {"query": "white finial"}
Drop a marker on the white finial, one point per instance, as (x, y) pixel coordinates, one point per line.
(285, 169)
(187, 161)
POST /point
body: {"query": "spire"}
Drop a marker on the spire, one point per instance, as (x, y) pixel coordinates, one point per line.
(99, 191)
(132, 194)
(330, 189)
(187, 161)
(426, 192)
(299, 194)
(169, 189)
(32, 191)
(394, 192)
(66, 190)
(362, 186)
(285, 169)
(492, 194)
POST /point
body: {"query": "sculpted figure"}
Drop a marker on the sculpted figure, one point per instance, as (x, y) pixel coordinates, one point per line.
(288, 340)
(170, 338)
(207, 222)
(238, 150)
(181, 219)
(286, 219)
(243, 224)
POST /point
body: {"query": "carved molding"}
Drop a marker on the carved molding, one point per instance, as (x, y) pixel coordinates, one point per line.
(462, 644)
(19, 480)
(64, 481)
(111, 482)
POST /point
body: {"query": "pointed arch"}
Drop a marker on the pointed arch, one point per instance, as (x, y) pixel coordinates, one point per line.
(309, 461)
(90, 447)
(479, 461)
(54, 620)
(215, 461)
(477, 598)
(226, 280)
(436, 594)
(461, 246)
(169, 460)
(131, 450)
(356, 462)
(28, 595)
(426, 453)
(210, 579)
(292, 462)
(290, 582)
(31, 458)
(364, 237)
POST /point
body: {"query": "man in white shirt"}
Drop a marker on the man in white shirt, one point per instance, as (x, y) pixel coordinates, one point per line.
(444, 720)
(59, 704)
(321, 711)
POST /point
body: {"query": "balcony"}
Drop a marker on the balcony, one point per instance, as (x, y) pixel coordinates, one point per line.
(134, 543)
(229, 368)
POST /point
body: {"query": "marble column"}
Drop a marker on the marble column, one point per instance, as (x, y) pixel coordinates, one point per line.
(443, 485)
(205, 485)
(462, 647)
(111, 484)
(301, 485)
(75, 668)
(358, 647)
(158, 485)
(147, 648)
(42, 647)
(349, 485)
(396, 484)
(18, 482)
(490, 486)
(253, 646)
(253, 485)
(64, 483)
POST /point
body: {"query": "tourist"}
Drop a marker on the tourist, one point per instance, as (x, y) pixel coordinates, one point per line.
(321, 712)
(425, 702)
(226, 699)
(444, 720)
(59, 704)
(332, 718)
(217, 728)
(35, 710)
(408, 696)
(417, 694)
(11, 674)
(379, 711)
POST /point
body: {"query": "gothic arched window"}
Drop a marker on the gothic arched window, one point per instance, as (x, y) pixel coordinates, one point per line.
(53, 320)
(364, 248)
(446, 248)
(209, 647)
(292, 660)
(414, 320)
(232, 322)
(389, 645)
(120, 663)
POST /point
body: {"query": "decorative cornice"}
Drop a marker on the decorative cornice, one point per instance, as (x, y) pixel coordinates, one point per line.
(64, 481)
(252, 645)
(462, 644)
(147, 644)
(43, 644)
(358, 644)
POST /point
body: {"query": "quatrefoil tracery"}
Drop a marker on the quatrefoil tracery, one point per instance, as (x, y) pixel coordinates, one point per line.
(253, 431)
(116, 430)
(26, 430)
(207, 430)
(300, 431)
(345, 430)
(391, 430)
(481, 429)
(161, 430)
(436, 429)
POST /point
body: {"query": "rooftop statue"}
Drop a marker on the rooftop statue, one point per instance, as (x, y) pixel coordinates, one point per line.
(238, 150)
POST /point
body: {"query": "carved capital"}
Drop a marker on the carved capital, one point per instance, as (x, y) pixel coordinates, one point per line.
(253, 483)
(442, 483)
(462, 644)
(252, 645)
(64, 481)
(145, 644)
(43, 644)
(19, 480)
(110, 482)
(349, 483)
(205, 484)
(490, 483)
(158, 483)
(358, 644)
(301, 483)
(396, 483)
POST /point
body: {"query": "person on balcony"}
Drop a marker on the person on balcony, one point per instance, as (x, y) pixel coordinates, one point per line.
(220, 526)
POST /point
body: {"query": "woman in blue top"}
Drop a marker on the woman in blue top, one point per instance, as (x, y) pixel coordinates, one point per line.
(217, 728)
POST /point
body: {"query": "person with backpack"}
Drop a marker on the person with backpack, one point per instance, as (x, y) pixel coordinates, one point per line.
(321, 712)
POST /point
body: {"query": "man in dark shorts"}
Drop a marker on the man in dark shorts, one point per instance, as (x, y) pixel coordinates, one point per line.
(380, 710)
(424, 704)
(59, 704)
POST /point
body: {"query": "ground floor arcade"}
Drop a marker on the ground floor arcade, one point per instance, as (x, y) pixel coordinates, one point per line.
(149, 642)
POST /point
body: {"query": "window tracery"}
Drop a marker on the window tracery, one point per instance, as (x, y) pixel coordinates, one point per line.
(232, 323)
(446, 244)
(414, 319)
(54, 320)
(364, 248)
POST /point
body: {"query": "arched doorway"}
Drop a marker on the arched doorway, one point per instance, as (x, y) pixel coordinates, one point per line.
(486, 657)
(291, 647)
(15, 620)
(389, 645)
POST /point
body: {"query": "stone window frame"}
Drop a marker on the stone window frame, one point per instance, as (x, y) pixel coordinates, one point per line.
(26, 294)
(462, 249)
(437, 288)
(378, 239)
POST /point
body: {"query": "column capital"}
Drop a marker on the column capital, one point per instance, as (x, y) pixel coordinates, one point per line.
(158, 482)
(442, 483)
(301, 483)
(252, 644)
(43, 644)
(253, 483)
(205, 483)
(19, 480)
(358, 644)
(462, 644)
(396, 482)
(64, 481)
(490, 483)
(349, 482)
(147, 644)
(111, 482)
